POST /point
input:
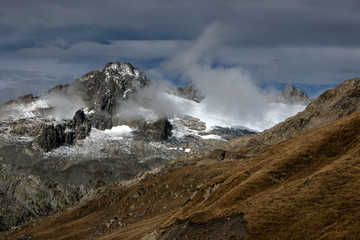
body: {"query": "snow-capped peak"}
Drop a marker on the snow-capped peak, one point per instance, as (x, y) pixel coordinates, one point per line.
(123, 69)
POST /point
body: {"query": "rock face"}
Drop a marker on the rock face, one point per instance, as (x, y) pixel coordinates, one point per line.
(230, 133)
(53, 137)
(292, 95)
(190, 92)
(64, 134)
(30, 197)
(159, 130)
(81, 125)
(104, 90)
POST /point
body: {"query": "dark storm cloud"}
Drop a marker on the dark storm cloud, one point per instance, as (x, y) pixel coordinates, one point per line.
(308, 42)
(252, 22)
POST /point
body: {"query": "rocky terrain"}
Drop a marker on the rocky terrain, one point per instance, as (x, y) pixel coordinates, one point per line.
(297, 180)
(73, 139)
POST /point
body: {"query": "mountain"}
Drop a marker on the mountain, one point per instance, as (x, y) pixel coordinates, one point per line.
(104, 127)
(297, 180)
(293, 95)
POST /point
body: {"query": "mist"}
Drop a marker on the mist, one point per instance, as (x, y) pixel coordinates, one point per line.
(153, 102)
(232, 99)
(63, 107)
(231, 96)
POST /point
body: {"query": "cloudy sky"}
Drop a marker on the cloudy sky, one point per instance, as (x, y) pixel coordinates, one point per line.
(311, 44)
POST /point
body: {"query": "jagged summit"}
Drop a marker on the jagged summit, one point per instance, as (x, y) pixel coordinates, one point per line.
(103, 90)
(116, 70)
(123, 69)
(292, 95)
(124, 75)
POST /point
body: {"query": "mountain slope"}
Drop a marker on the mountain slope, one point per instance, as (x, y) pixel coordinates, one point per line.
(332, 105)
(303, 188)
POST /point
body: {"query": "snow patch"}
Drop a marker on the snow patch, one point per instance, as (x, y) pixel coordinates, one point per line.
(118, 132)
(125, 93)
(211, 136)
(94, 144)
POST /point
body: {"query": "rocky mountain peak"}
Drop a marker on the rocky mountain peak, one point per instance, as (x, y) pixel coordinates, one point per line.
(119, 78)
(123, 69)
(104, 90)
(293, 95)
(290, 88)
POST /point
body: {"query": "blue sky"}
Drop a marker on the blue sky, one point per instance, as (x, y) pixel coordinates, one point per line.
(311, 44)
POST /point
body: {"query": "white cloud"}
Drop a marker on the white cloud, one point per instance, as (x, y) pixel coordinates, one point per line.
(232, 98)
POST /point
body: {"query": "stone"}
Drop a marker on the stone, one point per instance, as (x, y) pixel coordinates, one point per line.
(52, 137)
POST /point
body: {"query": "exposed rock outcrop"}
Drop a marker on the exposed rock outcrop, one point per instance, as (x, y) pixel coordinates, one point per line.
(191, 92)
(159, 130)
(30, 197)
(104, 90)
(64, 134)
(292, 95)
(80, 124)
